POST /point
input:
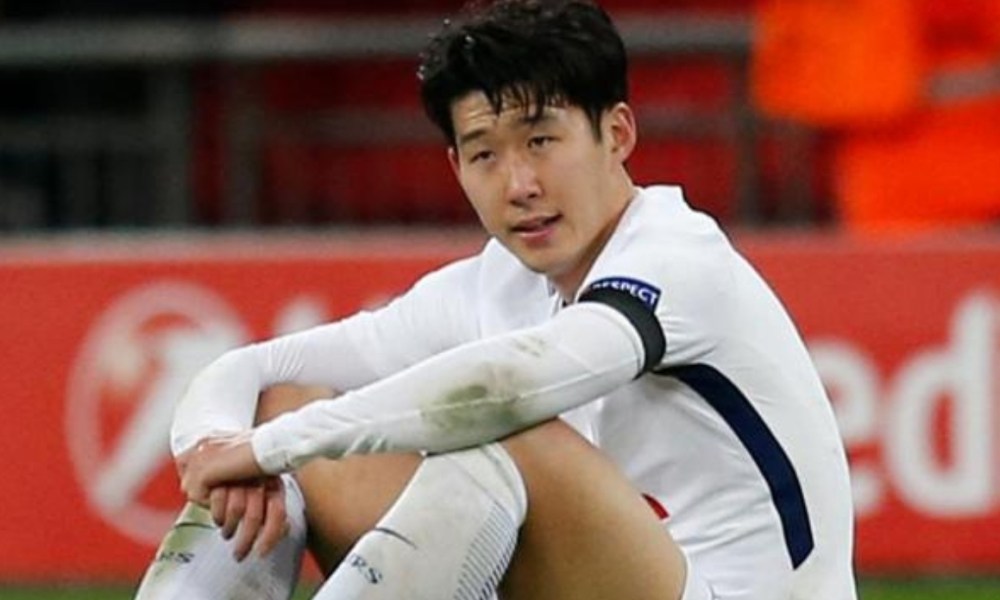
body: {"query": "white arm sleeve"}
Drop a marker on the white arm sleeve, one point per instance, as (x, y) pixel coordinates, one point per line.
(469, 395)
(222, 398)
(436, 314)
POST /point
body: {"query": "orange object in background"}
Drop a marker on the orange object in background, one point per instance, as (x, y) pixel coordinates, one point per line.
(940, 169)
(909, 93)
(831, 63)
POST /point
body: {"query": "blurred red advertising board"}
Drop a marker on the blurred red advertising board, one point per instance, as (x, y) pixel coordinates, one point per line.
(98, 339)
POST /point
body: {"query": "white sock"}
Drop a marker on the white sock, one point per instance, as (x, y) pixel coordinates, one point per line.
(194, 562)
(450, 535)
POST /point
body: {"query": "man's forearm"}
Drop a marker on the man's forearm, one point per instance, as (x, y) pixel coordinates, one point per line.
(470, 395)
(223, 397)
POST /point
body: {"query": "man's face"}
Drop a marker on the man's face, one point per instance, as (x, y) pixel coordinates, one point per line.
(548, 189)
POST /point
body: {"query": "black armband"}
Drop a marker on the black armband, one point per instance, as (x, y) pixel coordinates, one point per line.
(640, 316)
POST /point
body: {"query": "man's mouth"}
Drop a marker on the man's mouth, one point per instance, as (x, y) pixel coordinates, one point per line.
(536, 225)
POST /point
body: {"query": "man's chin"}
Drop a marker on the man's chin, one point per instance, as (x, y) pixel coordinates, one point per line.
(541, 261)
(543, 265)
(533, 260)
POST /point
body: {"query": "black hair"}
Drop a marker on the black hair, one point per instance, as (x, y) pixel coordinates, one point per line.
(534, 53)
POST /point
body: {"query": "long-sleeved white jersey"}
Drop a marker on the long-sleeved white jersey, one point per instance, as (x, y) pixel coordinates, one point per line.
(675, 359)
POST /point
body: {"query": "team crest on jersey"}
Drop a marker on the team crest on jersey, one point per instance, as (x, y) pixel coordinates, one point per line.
(644, 292)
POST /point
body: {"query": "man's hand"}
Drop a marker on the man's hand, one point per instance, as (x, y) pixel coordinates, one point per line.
(218, 461)
(253, 512)
(221, 474)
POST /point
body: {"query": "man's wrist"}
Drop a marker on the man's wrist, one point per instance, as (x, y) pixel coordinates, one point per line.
(267, 451)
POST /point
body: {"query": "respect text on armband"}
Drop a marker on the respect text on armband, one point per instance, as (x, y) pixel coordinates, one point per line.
(646, 293)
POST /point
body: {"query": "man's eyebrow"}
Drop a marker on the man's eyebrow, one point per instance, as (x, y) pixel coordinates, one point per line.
(470, 136)
(536, 118)
(529, 118)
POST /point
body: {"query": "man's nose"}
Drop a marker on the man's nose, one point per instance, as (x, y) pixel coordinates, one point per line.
(522, 181)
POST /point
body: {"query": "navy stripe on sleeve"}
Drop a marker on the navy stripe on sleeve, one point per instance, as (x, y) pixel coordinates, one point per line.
(770, 458)
(640, 316)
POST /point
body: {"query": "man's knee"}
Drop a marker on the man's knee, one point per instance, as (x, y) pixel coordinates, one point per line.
(553, 451)
(285, 397)
(554, 432)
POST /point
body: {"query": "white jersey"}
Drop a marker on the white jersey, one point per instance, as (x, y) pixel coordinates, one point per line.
(727, 425)
(732, 431)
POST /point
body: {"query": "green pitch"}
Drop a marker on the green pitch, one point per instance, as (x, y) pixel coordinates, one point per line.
(84, 593)
(872, 589)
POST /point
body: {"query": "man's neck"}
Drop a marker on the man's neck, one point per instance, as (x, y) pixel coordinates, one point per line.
(568, 283)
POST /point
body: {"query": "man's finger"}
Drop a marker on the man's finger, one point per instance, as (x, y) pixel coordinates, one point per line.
(236, 505)
(275, 517)
(250, 524)
(217, 504)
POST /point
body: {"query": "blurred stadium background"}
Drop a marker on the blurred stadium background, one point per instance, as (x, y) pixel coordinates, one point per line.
(178, 177)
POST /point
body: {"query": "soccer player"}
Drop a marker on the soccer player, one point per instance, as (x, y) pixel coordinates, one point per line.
(608, 384)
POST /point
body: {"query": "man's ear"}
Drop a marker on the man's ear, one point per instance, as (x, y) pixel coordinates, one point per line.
(453, 160)
(621, 131)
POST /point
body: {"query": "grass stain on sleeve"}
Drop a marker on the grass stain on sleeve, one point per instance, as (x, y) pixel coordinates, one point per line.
(474, 406)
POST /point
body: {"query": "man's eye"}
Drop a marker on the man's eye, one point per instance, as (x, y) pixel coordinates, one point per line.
(481, 156)
(540, 141)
